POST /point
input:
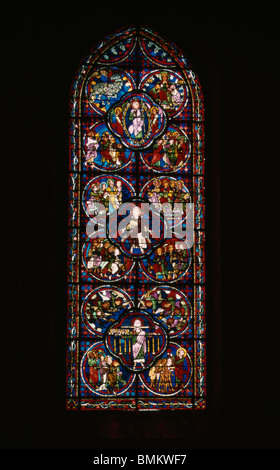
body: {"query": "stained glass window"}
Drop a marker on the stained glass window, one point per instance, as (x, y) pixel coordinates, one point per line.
(136, 248)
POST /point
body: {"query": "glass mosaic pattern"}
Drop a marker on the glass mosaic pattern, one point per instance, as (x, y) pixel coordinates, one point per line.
(136, 336)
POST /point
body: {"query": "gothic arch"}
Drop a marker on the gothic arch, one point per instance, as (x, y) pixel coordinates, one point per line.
(136, 135)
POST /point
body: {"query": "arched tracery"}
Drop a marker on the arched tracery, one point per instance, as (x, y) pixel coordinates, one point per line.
(136, 291)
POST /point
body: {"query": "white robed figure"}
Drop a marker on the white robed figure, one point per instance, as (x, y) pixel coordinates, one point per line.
(136, 128)
(139, 245)
(140, 346)
(92, 145)
(139, 343)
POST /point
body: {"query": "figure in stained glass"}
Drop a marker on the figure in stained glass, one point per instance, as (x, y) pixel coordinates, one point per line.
(168, 190)
(136, 339)
(94, 358)
(166, 88)
(136, 319)
(168, 262)
(179, 365)
(168, 153)
(169, 306)
(103, 150)
(170, 374)
(103, 373)
(106, 86)
(139, 344)
(136, 229)
(137, 120)
(109, 191)
(104, 260)
(103, 306)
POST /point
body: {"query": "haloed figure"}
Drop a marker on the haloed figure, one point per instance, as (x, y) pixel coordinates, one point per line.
(139, 346)
(136, 128)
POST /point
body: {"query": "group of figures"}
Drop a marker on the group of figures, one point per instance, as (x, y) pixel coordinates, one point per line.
(168, 153)
(109, 84)
(112, 191)
(135, 142)
(106, 151)
(168, 262)
(167, 89)
(104, 372)
(137, 120)
(102, 308)
(105, 305)
(135, 337)
(104, 260)
(169, 306)
(163, 190)
(106, 376)
(103, 150)
(107, 192)
(169, 372)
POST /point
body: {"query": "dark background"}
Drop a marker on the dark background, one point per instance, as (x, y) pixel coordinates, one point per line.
(235, 54)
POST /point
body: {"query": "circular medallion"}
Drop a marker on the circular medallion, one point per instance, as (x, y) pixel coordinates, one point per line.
(137, 120)
(136, 340)
(107, 191)
(169, 262)
(169, 152)
(137, 228)
(170, 374)
(104, 261)
(168, 89)
(104, 151)
(102, 307)
(169, 306)
(169, 196)
(106, 86)
(103, 374)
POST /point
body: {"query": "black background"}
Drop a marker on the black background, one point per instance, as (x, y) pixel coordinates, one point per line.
(235, 54)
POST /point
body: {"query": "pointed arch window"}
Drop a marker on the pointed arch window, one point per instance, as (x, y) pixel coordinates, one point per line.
(136, 336)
